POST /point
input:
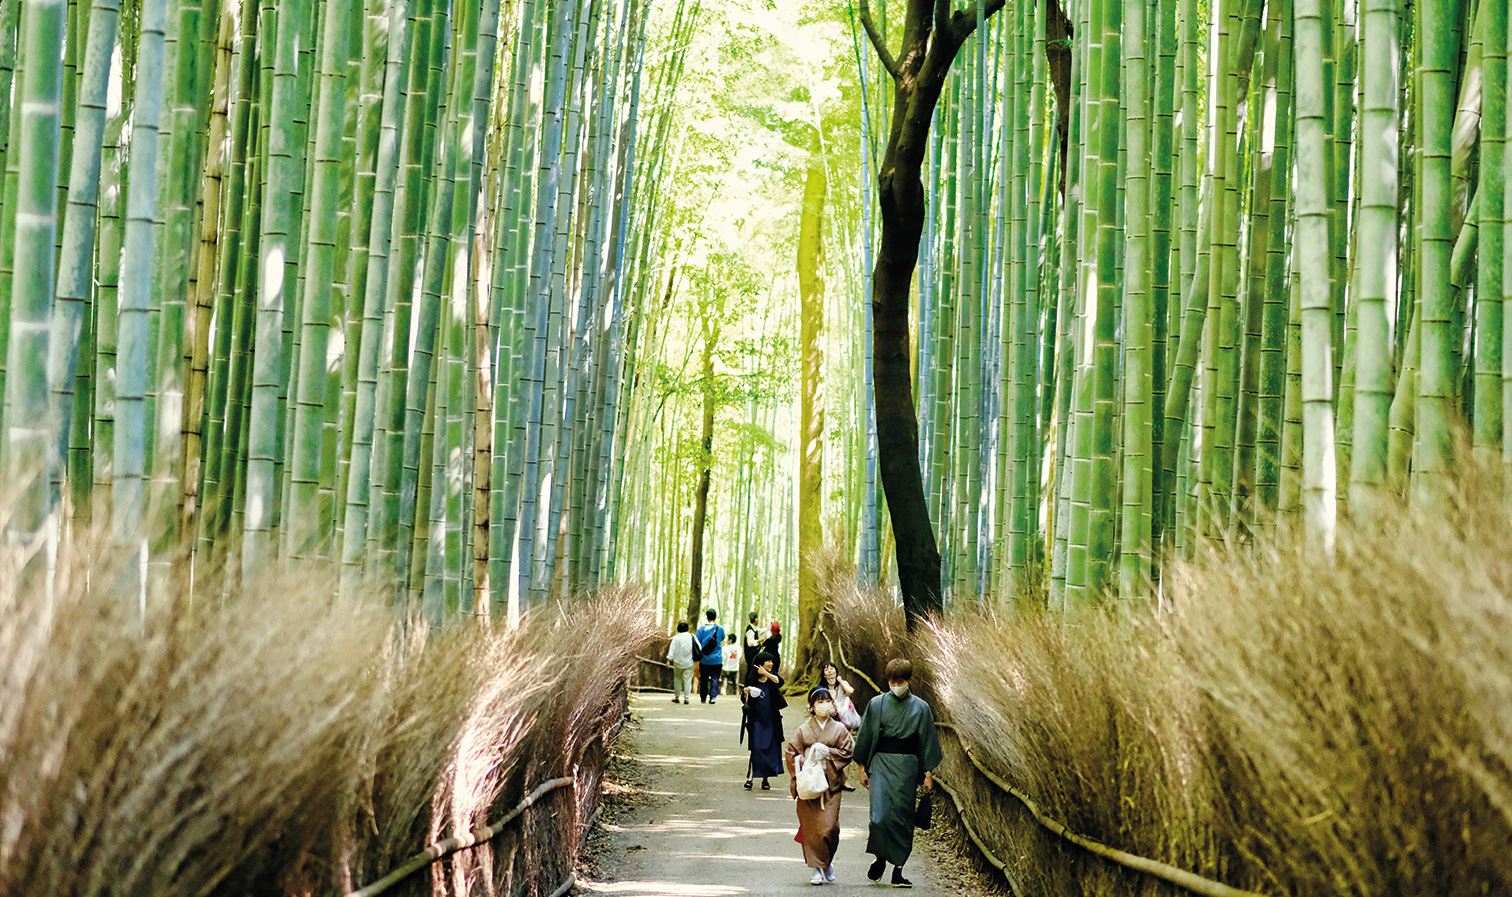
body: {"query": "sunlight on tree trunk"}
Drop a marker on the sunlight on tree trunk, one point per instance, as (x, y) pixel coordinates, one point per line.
(811, 418)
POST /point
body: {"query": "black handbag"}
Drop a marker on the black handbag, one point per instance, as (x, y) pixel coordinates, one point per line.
(924, 812)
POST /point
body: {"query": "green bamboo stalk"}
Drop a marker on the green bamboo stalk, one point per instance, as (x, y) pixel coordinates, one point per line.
(1506, 370)
(10, 31)
(1432, 450)
(1290, 488)
(306, 533)
(10, 189)
(129, 462)
(535, 559)
(424, 374)
(1273, 331)
(274, 267)
(226, 351)
(102, 413)
(1104, 495)
(1083, 386)
(204, 285)
(1165, 293)
(1342, 225)
(1376, 260)
(388, 447)
(1220, 406)
(1076, 397)
(376, 257)
(1318, 465)
(1489, 289)
(77, 260)
(27, 428)
(511, 325)
(1134, 568)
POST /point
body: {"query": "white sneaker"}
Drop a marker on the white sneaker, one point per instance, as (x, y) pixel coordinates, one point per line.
(818, 878)
(829, 872)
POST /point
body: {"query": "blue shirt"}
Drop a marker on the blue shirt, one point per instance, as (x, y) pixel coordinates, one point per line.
(714, 658)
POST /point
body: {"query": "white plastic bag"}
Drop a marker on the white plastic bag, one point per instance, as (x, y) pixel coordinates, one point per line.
(811, 780)
(849, 718)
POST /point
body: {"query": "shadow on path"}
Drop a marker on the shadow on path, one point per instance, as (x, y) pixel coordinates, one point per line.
(702, 835)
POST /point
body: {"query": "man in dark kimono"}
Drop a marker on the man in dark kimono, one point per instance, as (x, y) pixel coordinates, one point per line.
(896, 750)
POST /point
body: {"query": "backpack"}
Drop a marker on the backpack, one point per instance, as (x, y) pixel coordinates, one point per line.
(709, 645)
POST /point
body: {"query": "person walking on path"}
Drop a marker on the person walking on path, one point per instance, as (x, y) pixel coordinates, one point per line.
(709, 637)
(822, 739)
(680, 654)
(762, 720)
(896, 750)
(731, 664)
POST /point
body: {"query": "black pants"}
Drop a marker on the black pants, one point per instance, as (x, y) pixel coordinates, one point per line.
(708, 681)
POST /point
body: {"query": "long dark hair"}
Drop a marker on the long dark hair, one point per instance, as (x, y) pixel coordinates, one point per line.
(828, 664)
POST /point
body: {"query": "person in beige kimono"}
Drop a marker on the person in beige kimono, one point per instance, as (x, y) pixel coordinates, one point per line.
(819, 819)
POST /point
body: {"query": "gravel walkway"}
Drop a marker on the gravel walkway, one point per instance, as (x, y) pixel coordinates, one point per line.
(684, 827)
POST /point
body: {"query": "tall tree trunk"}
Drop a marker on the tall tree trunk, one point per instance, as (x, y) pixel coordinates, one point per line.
(931, 39)
(811, 453)
(705, 469)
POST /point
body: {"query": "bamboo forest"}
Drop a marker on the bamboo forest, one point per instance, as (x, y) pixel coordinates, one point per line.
(386, 381)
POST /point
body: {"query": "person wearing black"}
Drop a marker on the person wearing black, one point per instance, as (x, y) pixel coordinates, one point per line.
(762, 696)
(773, 643)
(752, 642)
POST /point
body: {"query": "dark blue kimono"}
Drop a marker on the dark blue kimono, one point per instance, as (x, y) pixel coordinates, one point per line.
(763, 721)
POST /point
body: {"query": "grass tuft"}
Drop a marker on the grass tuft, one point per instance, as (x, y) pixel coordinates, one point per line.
(285, 742)
(1278, 723)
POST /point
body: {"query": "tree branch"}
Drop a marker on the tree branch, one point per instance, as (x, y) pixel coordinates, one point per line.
(942, 21)
(888, 62)
(964, 21)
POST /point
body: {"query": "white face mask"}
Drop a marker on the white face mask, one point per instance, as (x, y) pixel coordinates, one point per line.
(824, 709)
(899, 691)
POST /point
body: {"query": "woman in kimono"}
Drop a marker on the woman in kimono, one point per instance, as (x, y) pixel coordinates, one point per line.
(762, 696)
(819, 818)
(896, 749)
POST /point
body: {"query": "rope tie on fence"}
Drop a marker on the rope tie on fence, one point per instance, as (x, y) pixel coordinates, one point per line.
(1165, 871)
(439, 849)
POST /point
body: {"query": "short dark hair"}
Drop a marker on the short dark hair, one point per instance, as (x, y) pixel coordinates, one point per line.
(711, 613)
(730, 638)
(899, 670)
(753, 616)
(683, 626)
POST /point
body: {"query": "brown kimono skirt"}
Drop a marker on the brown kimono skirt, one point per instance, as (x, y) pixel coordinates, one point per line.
(819, 819)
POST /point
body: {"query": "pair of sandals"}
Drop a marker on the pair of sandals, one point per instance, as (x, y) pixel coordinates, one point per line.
(766, 784)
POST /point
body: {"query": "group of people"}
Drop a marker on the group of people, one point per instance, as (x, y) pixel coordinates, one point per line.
(716, 658)
(893, 744)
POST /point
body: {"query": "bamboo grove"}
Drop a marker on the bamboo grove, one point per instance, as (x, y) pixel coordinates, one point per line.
(341, 281)
(1192, 271)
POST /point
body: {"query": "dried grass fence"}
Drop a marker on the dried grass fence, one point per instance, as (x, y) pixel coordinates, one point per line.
(1279, 725)
(284, 743)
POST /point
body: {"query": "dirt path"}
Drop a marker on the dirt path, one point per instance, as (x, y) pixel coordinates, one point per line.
(697, 833)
